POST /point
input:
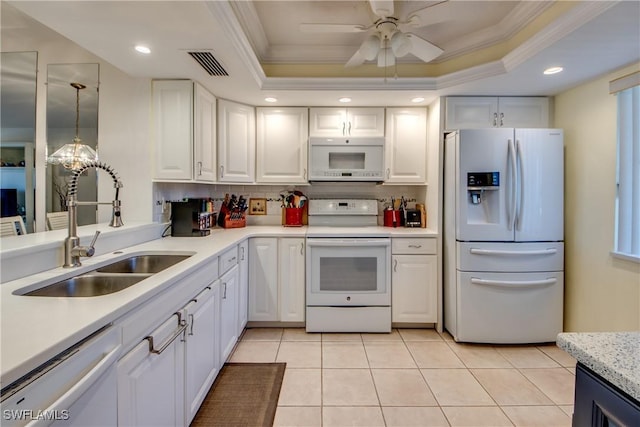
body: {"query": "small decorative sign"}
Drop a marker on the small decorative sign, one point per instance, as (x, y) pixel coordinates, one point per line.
(257, 206)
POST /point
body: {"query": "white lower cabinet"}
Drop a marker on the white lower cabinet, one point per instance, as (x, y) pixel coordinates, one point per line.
(263, 279)
(151, 378)
(202, 355)
(414, 281)
(228, 312)
(291, 274)
(243, 285)
(277, 279)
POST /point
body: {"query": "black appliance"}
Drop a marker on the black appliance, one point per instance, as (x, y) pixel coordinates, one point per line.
(190, 218)
(9, 202)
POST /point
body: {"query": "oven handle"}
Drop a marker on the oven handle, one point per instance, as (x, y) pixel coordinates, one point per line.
(348, 242)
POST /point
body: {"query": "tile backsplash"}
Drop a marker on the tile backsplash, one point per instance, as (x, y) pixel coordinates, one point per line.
(167, 192)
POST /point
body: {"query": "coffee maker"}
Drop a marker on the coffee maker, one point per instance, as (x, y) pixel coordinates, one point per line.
(192, 218)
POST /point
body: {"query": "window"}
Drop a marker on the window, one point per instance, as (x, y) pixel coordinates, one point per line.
(627, 239)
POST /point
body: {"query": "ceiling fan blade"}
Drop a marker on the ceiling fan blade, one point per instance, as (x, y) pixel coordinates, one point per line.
(423, 49)
(430, 15)
(332, 28)
(355, 60)
(382, 8)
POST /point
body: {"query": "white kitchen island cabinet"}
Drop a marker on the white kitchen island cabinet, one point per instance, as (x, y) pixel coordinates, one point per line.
(151, 378)
(184, 131)
(339, 122)
(236, 142)
(406, 146)
(277, 279)
(414, 280)
(202, 362)
(476, 112)
(228, 312)
(282, 145)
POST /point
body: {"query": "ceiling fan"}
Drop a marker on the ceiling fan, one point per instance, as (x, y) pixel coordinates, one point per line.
(388, 39)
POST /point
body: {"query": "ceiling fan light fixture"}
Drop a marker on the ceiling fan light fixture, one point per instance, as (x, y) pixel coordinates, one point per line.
(370, 47)
(386, 58)
(400, 44)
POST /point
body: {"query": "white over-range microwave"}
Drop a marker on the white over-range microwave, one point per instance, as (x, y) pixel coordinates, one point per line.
(346, 159)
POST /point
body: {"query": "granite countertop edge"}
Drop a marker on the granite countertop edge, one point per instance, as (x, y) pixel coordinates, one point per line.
(615, 356)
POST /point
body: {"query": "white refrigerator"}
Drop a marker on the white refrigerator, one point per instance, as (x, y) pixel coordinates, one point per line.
(503, 235)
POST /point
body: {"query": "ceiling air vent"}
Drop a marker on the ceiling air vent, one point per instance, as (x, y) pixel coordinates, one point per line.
(209, 63)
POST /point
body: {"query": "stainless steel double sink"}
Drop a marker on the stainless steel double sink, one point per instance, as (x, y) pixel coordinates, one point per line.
(109, 278)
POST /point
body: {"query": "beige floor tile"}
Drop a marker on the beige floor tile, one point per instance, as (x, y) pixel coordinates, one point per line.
(391, 336)
(341, 337)
(388, 355)
(559, 355)
(365, 416)
(433, 354)
(414, 417)
(527, 357)
(479, 356)
(481, 416)
(344, 354)
(255, 352)
(557, 383)
(301, 387)
(348, 387)
(537, 416)
(510, 387)
(298, 416)
(402, 387)
(300, 354)
(299, 334)
(262, 334)
(420, 335)
(456, 387)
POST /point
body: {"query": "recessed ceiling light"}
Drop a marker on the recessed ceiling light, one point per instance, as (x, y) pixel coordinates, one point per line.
(417, 99)
(553, 70)
(345, 99)
(143, 49)
(271, 99)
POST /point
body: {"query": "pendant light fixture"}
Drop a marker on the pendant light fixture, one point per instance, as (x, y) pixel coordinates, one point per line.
(74, 155)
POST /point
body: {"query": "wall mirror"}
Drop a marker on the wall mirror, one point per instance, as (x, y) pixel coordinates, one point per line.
(61, 129)
(18, 72)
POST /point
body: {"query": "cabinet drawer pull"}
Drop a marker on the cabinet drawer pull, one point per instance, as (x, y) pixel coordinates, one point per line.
(501, 119)
(181, 328)
(302, 248)
(242, 254)
(191, 323)
(495, 119)
(344, 125)
(304, 174)
(395, 266)
(199, 168)
(224, 292)
(415, 246)
(221, 171)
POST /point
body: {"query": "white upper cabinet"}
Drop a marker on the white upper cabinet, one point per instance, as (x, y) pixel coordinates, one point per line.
(406, 146)
(485, 112)
(236, 142)
(205, 135)
(184, 123)
(331, 122)
(282, 145)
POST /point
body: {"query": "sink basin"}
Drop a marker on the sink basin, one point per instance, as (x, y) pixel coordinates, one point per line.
(88, 285)
(147, 264)
(110, 278)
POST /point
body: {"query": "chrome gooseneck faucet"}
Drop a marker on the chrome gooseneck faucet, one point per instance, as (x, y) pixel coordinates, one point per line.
(72, 249)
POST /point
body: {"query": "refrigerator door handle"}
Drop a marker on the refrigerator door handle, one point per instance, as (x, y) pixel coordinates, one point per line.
(514, 283)
(511, 218)
(550, 251)
(520, 186)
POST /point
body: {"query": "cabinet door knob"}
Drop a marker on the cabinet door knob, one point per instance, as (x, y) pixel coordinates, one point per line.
(349, 130)
(501, 119)
(495, 119)
(304, 174)
(221, 171)
(242, 253)
(395, 266)
(302, 248)
(344, 125)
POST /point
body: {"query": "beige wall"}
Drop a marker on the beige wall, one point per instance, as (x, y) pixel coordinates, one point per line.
(602, 293)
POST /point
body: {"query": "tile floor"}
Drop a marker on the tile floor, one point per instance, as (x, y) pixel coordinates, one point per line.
(412, 377)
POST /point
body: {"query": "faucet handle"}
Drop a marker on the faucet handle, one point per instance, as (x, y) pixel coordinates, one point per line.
(90, 250)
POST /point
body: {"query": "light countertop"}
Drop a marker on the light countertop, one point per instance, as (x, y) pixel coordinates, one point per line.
(615, 356)
(35, 329)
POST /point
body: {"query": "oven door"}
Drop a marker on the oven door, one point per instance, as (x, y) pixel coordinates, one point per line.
(348, 272)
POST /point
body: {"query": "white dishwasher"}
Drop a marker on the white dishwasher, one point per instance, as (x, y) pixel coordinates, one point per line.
(76, 388)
